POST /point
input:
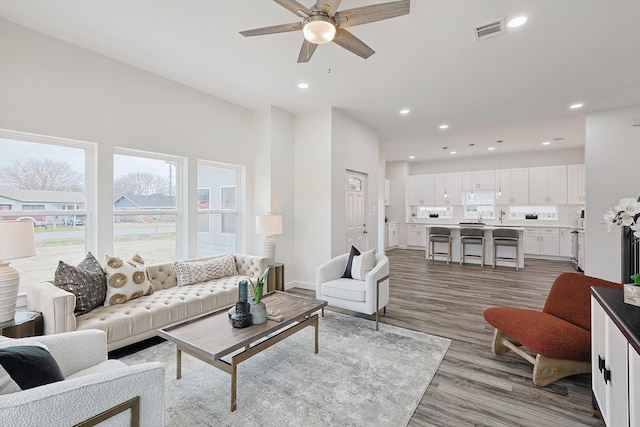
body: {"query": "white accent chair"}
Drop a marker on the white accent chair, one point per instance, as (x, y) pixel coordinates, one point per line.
(95, 389)
(363, 296)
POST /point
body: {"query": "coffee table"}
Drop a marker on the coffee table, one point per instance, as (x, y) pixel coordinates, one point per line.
(211, 337)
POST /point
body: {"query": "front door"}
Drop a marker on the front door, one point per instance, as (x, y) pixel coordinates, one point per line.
(356, 211)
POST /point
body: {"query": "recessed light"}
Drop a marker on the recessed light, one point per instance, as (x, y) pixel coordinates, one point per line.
(491, 148)
(575, 106)
(453, 152)
(444, 126)
(546, 143)
(405, 111)
(303, 85)
(517, 21)
(412, 157)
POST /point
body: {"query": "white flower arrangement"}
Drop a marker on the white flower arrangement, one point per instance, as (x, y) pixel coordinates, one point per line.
(625, 214)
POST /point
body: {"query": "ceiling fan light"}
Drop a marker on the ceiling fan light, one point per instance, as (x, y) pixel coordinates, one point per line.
(319, 29)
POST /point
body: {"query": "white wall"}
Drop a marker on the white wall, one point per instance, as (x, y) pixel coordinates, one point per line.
(53, 88)
(612, 150)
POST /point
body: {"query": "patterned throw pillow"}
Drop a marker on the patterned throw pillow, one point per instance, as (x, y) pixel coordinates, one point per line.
(189, 272)
(87, 281)
(126, 280)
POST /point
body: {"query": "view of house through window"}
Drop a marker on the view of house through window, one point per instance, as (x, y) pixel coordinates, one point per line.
(217, 208)
(43, 180)
(145, 192)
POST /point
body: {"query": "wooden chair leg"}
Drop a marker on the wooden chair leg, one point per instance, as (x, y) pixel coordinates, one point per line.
(547, 370)
(497, 345)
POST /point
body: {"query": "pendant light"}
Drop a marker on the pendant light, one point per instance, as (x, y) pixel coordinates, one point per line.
(445, 195)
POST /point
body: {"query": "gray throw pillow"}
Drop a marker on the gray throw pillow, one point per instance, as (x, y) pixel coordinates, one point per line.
(190, 272)
(87, 281)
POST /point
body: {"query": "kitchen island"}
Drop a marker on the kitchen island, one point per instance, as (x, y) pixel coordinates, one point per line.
(503, 251)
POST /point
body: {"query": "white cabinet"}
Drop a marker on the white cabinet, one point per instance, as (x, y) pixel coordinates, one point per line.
(542, 241)
(479, 180)
(566, 242)
(452, 183)
(548, 185)
(387, 185)
(392, 235)
(416, 236)
(610, 368)
(420, 190)
(581, 250)
(575, 185)
(634, 387)
(514, 184)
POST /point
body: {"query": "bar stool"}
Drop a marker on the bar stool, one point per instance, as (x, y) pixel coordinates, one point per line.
(439, 235)
(471, 236)
(505, 237)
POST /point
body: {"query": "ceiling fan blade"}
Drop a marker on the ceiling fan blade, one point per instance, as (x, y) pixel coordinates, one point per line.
(306, 51)
(328, 6)
(353, 44)
(294, 7)
(283, 28)
(373, 13)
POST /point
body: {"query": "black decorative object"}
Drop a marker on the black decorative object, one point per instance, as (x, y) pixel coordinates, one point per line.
(239, 314)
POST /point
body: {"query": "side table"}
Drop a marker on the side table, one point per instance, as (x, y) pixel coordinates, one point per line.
(275, 279)
(24, 324)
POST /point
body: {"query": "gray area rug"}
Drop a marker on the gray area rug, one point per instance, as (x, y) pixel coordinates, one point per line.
(360, 377)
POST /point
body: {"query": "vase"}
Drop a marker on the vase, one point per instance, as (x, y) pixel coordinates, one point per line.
(258, 313)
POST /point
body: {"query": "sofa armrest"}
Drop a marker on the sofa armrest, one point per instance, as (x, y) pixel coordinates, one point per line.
(55, 304)
(75, 351)
(250, 265)
(69, 402)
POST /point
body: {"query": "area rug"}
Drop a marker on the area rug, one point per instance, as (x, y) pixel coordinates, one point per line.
(360, 377)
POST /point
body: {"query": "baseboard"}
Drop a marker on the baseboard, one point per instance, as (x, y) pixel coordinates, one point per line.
(301, 285)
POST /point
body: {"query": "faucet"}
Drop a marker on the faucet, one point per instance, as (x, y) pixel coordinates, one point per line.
(502, 213)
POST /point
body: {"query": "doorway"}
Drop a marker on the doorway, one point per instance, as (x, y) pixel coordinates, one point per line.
(356, 227)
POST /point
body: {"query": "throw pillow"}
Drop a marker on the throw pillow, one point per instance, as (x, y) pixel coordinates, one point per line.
(347, 271)
(87, 281)
(363, 264)
(25, 365)
(126, 280)
(189, 272)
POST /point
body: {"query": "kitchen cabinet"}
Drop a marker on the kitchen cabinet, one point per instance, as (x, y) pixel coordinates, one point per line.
(575, 185)
(479, 180)
(416, 236)
(581, 250)
(387, 185)
(548, 185)
(392, 235)
(614, 357)
(542, 241)
(514, 184)
(452, 182)
(420, 190)
(566, 242)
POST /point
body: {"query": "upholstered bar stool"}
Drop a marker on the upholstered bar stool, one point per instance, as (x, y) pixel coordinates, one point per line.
(505, 237)
(471, 236)
(439, 235)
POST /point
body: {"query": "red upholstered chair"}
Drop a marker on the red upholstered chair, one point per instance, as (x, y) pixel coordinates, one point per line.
(560, 334)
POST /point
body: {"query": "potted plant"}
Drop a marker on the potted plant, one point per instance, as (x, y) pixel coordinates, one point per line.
(258, 309)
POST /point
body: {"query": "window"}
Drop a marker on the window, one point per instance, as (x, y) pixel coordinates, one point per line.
(217, 208)
(435, 212)
(39, 177)
(146, 190)
(479, 205)
(533, 212)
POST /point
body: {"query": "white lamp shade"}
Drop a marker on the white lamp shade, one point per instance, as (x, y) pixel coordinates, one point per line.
(17, 240)
(268, 224)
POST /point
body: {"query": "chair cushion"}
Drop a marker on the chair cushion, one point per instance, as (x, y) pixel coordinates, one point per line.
(505, 242)
(542, 333)
(349, 289)
(435, 238)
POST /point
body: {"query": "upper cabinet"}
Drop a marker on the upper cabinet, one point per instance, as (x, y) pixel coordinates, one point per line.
(452, 184)
(575, 185)
(548, 185)
(420, 190)
(514, 186)
(479, 180)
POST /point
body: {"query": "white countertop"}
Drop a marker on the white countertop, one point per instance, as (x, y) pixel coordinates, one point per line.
(522, 226)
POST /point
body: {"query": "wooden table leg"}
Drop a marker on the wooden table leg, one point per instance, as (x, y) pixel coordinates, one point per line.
(315, 318)
(178, 364)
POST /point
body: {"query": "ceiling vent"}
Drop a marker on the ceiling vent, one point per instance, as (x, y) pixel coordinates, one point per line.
(489, 31)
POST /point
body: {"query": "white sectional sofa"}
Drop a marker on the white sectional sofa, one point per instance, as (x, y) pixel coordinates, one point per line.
(140, 318)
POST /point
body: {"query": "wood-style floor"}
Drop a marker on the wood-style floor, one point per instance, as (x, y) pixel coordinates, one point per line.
(473, 386)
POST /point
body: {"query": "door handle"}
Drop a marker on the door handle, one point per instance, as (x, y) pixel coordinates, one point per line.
(607, 375)
(600, 363)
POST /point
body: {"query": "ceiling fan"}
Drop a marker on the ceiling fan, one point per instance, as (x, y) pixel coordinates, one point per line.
(323, 23)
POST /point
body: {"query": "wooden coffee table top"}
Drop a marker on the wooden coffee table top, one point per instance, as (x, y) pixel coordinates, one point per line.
(213, 337)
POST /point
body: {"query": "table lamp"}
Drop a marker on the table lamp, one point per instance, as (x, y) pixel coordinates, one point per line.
(17, 240)
(269, 225)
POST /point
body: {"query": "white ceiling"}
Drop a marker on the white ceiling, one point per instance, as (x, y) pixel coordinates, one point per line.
(516, 87)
